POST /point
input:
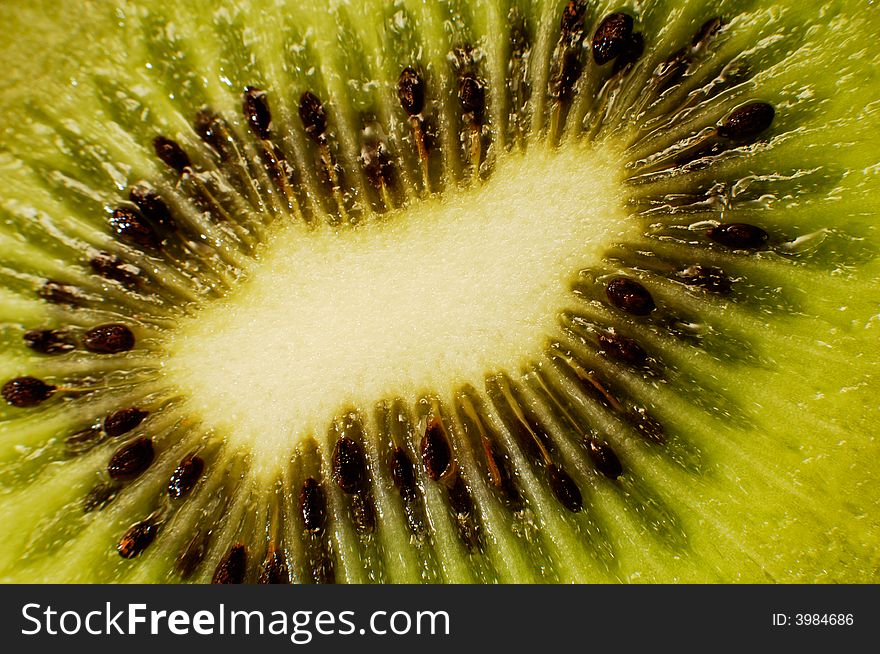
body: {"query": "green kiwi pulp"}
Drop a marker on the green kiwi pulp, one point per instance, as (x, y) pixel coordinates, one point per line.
(471, 291)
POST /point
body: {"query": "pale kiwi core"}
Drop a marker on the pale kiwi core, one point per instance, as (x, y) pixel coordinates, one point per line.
(432, 296)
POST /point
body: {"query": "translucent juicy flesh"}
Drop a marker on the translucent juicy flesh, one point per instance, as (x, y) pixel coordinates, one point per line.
(782, 488)
(430, 298)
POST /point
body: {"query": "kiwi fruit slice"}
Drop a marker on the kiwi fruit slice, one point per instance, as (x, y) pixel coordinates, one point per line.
(467, 291)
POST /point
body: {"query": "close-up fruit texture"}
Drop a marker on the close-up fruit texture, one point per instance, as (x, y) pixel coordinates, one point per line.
(458, 291)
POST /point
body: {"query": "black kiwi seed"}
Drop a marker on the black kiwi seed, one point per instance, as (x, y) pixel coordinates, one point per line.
(363, 513)
(604, 458)
(572, 67)
(112, 267)
(26, 391)
(137, 538)
(132, 228)
(503, 481)
(208, 126)
(569, 66)
(59, 293)
(623, 349)
(255, 106)
(739, 236)
(131, 460)
(612, 37)
(463, 504)
(171, 154)
(519, 37)
(671, 71)
(411, 91)
(322, 568)
(152, 206)
(194, 554)
(403, 474)
(436, 453)
(123, 421)
(112, 338)
(83, 440)
(312, 505)
(274, 569)
(185, 476)
(747, 121)
(49, 341)
(630, 296)
(472, 95)
(631, 53)
(704, 150)
(706, 277)
(459, 498)
(377, 164)
(564, 488)
(703, 35)
(312, 115)
(572, 22)
(232, 567)
(99, 497)
(349, 465)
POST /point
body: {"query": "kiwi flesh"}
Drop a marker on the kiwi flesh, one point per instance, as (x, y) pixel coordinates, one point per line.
(440, 292)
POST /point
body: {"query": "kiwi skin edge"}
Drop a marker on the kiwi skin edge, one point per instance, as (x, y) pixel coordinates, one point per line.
(698, 406)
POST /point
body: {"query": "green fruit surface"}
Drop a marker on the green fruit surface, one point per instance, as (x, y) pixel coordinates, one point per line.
(787, 489)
